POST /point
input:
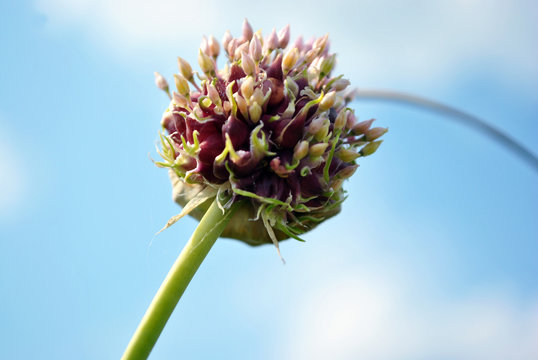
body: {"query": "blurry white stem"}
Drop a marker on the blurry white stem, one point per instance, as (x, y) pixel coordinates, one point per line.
(468, 119)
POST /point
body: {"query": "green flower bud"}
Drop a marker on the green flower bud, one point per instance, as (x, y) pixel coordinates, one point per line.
(255, 112)
(182, 85)
(318, 149)
(247, 87)
(248, 64)
(184, 68)
(328, 101)
(205, 62)
(370, 148)
(301, 150)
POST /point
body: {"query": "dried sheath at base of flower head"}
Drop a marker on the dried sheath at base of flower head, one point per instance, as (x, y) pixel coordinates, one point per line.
(272, 128)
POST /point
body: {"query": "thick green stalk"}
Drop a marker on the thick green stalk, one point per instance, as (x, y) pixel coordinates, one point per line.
(177, 280)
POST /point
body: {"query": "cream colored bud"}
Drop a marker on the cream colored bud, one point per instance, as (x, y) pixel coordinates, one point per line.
(205, 62)
(320, 43)
(300, 150)
(203, 46)
(292, 86)
(247, 30)
(213, 94)
(316, 124)
(351, 120)
(182, 85)
(213, 46)
(227, 106)
(362, 127)
(226, 40)
(328, 101)
(299, 43)
(318, 149)
(328, 64)
(341, 119)
(347, 155)
(243, 48)
(257, 96)
(340, 84)
(255, 112)
(184, 68)
(161, 82)
(241, 104)
(370, 148)
(248, 64)
(347, 172)
(247, 87)
(323, 131)
(290, 58)
(255, 49)
(375, 133)
(310, 56)
(232, 45)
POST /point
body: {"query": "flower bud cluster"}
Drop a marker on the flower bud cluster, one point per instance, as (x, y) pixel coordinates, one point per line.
(272, 127)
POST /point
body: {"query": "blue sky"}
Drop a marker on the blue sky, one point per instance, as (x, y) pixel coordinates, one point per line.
(433, 255)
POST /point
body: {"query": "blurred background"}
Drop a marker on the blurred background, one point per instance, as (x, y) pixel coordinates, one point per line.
(434, 255)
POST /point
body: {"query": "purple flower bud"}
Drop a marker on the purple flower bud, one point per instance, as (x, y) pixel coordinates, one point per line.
(247, 30)
(270, 128)
(299, 43)
(284, 37)
(340, 84)
(255, 49)
(271, 43)
(237, 130)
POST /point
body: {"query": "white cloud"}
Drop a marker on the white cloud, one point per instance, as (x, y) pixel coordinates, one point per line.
(379, 42)
(380, 316)
(12, 179)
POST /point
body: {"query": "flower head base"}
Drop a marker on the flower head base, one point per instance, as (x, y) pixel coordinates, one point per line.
(272, 128)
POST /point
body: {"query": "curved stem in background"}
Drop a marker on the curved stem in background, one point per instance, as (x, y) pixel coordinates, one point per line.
(177, 280)
(456, 114)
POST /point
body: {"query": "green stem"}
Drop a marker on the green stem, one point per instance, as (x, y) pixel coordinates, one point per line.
(177, 280)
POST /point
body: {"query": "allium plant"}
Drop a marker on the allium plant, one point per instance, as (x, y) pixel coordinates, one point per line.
(257, 150)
